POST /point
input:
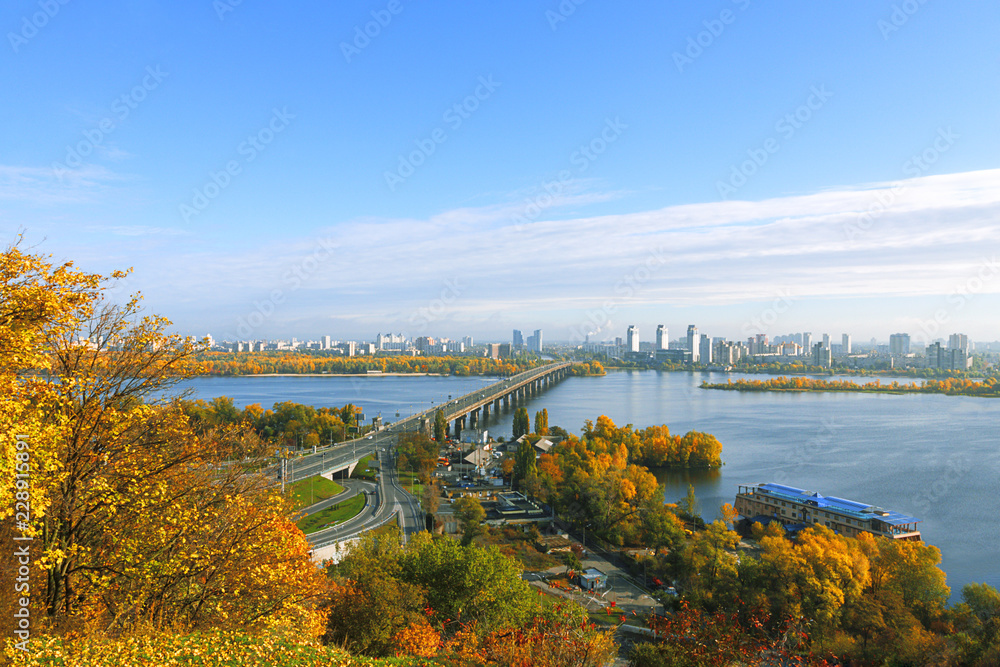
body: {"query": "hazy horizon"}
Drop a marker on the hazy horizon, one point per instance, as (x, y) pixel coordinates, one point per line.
(574, 167)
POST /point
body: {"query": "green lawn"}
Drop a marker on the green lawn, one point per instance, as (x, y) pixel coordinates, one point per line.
(339, 513)
(309, 491)
(362, 471)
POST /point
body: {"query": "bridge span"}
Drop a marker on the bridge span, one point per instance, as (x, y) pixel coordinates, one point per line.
(468, 409)
(465, 411)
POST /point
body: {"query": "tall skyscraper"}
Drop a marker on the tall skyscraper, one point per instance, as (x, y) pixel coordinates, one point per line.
(662, 340)
(845, 343)
(693, 343)
(518, 340)
(326, 342)
(632, 338)
(899, 344)
(538, 340)
(826, 341)
(807, 342)
(705, 349)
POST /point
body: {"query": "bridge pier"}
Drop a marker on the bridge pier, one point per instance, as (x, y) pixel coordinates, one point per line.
(474, 418)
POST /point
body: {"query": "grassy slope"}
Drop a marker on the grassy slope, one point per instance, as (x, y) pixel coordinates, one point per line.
(342, 511)
(321, 489)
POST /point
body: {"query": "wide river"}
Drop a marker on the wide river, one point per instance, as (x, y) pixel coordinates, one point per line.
(931, 456)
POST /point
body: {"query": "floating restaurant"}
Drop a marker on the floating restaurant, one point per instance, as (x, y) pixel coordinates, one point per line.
(797, 509)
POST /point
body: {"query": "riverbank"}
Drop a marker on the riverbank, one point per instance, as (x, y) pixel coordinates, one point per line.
(949, 387)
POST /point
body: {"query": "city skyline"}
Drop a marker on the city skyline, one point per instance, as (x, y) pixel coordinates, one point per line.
(351, 179)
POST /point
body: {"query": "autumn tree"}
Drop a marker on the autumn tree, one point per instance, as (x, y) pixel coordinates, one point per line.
(521, 424)
(419, 452)
(542, 422)
(141, 522)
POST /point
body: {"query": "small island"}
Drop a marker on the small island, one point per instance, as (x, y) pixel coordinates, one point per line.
(948, 386)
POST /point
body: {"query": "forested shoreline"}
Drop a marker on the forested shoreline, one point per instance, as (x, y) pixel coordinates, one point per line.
(949, 386)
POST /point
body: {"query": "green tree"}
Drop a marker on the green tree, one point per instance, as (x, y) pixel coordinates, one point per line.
(571, 561)
(440, 426)
(542, 422)
(470, 514)
(525, 464)
(468, 583)
(690, 503)
(521, 424)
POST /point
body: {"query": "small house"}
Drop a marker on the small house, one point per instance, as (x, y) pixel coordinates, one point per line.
(592, 579)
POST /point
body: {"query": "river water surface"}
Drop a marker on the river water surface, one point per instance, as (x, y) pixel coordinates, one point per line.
(930, 456)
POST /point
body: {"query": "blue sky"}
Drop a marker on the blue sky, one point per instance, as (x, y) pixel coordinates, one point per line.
(470, 168)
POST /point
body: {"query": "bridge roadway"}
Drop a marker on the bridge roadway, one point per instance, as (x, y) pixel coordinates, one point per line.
(344, 456)
(389, 497)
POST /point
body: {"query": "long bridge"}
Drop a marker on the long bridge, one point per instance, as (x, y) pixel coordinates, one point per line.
(388, 497)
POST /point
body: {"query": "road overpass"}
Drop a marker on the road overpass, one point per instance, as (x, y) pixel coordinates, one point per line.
(389, 498)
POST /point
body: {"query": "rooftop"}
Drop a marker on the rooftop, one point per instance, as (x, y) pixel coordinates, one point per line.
(851, 508)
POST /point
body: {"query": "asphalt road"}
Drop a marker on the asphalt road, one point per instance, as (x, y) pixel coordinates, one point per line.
(388, 497)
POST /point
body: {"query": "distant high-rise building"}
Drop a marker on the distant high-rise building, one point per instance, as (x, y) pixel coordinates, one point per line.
(518, 340)
(950, 358)
(821, 356)
(705, 349)
(958, 342)
(807, 342)
(693, 343)
(326, 343)
(468, 341)
(538, 340)
(393, 342)
(662, 340)
(899, 344)
(845, 343)
(826, 341)
(632, 338)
